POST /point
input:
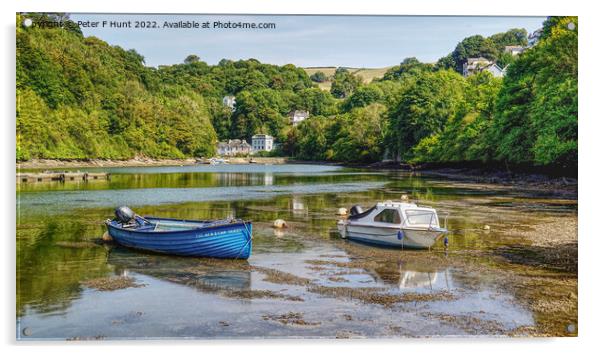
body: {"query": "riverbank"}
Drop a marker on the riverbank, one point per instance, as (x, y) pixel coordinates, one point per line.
(564, 186)
(137, 162)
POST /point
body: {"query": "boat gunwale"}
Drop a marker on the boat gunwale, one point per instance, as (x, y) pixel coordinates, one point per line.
(112, 224)
(398, 227)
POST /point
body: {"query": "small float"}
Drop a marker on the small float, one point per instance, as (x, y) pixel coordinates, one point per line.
(226, 238)
(396, 224)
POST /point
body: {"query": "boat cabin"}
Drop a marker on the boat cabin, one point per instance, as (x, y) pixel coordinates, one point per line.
(397, 214)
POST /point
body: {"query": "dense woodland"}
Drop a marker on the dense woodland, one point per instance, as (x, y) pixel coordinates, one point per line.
(79, 98)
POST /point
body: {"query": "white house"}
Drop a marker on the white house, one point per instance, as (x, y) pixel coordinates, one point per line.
(233, 147)
(262, 142)
(514, 49)
(474, 65)
(230, 102)
(495, 70)
(298, 116)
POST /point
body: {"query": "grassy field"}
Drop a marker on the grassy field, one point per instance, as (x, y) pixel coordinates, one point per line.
(367, 74)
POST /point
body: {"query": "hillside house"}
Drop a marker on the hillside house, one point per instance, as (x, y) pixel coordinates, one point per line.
(230, 102)
(298, 116)
(495, 70)
(514, 49)
(262, 142)
(233, 147)
(474, 65)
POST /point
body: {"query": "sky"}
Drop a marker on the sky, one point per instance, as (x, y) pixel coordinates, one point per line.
(352, 41)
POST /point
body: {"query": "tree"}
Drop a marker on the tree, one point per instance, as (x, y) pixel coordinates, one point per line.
(318, 76)
(360, 135)
(363, 96)
(408, 66)
(471, 47)
(344, 83)
(312, 137)
(424, 108)
(536, 112)
(514, 36)
(192, 58)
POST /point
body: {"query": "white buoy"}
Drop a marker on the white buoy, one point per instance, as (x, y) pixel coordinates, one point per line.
(279, 224)
(486, 227)
(342, 211)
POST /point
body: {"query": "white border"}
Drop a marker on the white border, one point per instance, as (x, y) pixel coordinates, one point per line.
(589, 180)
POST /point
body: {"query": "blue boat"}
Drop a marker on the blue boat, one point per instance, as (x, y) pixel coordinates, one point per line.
(227, 238)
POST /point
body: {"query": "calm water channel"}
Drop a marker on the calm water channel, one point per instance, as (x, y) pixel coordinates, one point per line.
(300, 282)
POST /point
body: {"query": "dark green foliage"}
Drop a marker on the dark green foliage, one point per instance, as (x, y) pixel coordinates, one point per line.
(192, 58)
(473, 47)
(316, 101)
(344, 83)
(318, 76)
(515, 36)
(356, 136)
(491, 48)
(363, 96)
(530, 118)
(425, 107)
(536, 114)
(80, 98)
(261, 111)
(359, 135)
(409, 66)
(463, 138)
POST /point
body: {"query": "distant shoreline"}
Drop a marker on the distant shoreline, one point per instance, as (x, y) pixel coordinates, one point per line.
(138, 162)
(472, 174)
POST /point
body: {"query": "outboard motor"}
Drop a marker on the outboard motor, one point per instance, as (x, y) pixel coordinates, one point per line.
(124, 214)
(356, 209)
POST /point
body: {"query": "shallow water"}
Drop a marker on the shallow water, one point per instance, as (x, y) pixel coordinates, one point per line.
(302, 281)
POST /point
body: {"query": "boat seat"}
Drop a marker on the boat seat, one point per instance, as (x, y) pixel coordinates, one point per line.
(361, 215)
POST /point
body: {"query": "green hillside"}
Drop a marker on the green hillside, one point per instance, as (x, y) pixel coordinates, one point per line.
(79, 98)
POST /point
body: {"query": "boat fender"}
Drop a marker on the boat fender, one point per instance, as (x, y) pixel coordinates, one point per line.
(400, 235)
(106, 237)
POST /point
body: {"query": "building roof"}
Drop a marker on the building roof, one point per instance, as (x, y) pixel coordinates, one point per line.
(299, 113)
(512, 47)
(477, 60)
(233, 143)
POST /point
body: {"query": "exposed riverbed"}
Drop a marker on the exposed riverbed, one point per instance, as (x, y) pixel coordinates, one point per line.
(511, 268)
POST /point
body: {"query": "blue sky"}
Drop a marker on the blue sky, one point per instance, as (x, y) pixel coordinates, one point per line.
(354, 41)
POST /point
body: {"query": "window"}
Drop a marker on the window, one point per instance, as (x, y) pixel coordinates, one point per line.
(423, 217)
(389, 216)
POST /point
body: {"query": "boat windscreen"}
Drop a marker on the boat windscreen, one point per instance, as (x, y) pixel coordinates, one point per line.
(421, 217)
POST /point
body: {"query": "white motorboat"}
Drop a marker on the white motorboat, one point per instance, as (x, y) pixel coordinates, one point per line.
(217, 161)
(397, 224)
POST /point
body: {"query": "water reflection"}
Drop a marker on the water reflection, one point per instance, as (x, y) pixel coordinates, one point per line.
(202, 274)
(411, 279)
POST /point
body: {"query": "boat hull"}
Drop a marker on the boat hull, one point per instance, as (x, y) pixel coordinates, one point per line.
(409, 238)
(222, 241)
